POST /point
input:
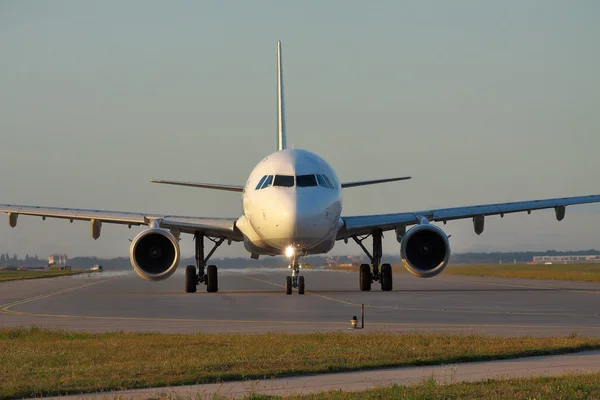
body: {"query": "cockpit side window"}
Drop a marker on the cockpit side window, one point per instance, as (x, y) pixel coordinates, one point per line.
(262, 180)
(306, 180)
(267, 182)
(284, 181)
(329, 182)
(322, 181)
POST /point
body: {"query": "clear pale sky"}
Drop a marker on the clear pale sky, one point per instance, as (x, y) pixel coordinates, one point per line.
(479, 101)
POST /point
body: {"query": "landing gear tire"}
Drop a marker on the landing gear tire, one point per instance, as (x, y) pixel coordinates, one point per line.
(288, 285)
(191, 280)
(300, 285)
(212, 280)
(365, 277)
(386, 277)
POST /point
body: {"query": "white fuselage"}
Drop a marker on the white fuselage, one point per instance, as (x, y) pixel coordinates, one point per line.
(292, 199)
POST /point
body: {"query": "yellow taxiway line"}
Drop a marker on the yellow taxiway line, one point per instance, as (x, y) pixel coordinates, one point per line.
(350, 303)
(6, 309)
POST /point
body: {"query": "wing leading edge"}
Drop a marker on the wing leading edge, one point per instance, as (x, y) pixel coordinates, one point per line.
(364, 224)
(222, 227)
(373, 181)
(216, 186)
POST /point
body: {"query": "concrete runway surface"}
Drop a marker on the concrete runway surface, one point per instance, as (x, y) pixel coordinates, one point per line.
(253, 300)
(585, 362)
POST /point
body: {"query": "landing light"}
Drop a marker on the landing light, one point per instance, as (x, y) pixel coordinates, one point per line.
(289, 252)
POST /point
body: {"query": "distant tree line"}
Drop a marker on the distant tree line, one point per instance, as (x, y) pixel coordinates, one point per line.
(239, 262)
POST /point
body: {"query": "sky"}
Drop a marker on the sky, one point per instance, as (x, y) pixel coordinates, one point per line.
(480, 102)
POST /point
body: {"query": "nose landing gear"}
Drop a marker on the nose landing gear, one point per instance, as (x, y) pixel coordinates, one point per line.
(295, 280)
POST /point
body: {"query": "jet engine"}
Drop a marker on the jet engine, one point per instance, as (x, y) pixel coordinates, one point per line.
(425, 250)
(154, 254)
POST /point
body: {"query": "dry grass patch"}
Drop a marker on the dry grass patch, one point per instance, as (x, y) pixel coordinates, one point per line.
(565, 272)
(36, 362)
(9, 275)
(586, 272)
(572, 387)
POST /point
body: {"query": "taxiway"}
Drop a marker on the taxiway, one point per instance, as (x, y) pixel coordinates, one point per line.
(253, 300)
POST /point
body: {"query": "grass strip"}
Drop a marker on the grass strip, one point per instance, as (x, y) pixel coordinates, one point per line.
(571, 387)
(564, 272)
(36, 362)
(11, 275)
(586, 272)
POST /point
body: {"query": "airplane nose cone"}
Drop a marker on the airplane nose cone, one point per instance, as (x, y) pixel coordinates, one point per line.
(309, 221)
(313, 222)
(300, 220)
(297, 219)
(287, 218)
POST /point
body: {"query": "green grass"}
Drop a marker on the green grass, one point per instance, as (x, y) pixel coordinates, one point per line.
(10, 275)
(35, 362)
(568, 387)
(586, 272)
(566, 272)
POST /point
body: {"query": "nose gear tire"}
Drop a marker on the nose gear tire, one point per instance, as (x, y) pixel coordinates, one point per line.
(300, 285)
(288, 285)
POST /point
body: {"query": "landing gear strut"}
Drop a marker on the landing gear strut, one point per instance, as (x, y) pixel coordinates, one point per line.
(295, 280)
(210, 277)
(371, 273)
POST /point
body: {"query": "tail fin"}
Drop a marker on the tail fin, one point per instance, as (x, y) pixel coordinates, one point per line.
(282, 140)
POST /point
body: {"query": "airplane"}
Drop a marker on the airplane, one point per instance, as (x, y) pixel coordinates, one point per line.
(292, 206)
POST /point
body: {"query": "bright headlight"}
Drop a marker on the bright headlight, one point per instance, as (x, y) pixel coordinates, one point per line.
(289, 252)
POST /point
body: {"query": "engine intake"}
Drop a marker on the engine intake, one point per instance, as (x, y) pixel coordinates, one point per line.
(425, 250)
(154, 254)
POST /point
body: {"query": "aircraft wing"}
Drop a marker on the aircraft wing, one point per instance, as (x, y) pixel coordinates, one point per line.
(222, 227)
(365, 224)
(373, 181)
(217, 186)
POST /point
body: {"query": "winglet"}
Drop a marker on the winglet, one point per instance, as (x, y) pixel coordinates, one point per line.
(282, 141)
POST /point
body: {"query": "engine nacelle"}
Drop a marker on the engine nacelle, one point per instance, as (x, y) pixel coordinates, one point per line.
(154, 254)
(425, 250)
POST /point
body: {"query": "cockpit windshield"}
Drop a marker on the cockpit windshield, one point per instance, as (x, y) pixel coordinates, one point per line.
(329, 182)
(260, 183)
(290, 181)
(306, 180)
(284, 181)
(267, 182)
(322, 181)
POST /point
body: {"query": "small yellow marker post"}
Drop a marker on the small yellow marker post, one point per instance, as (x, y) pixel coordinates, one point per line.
(354, 320)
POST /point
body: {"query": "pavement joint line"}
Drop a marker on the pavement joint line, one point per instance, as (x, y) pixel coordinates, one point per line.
(5, 307)
(382, 324)
(430, 309)
(585, 291)
(400, 324)
(344, 302)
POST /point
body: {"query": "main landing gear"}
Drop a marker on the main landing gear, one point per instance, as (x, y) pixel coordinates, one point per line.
(210, 277)
(295, 280)
(371, 273)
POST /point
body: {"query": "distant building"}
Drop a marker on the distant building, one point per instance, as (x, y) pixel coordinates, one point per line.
(59, 260)
(565, 259)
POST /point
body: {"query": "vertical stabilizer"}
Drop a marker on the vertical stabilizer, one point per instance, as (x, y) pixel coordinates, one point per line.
(282, 141)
